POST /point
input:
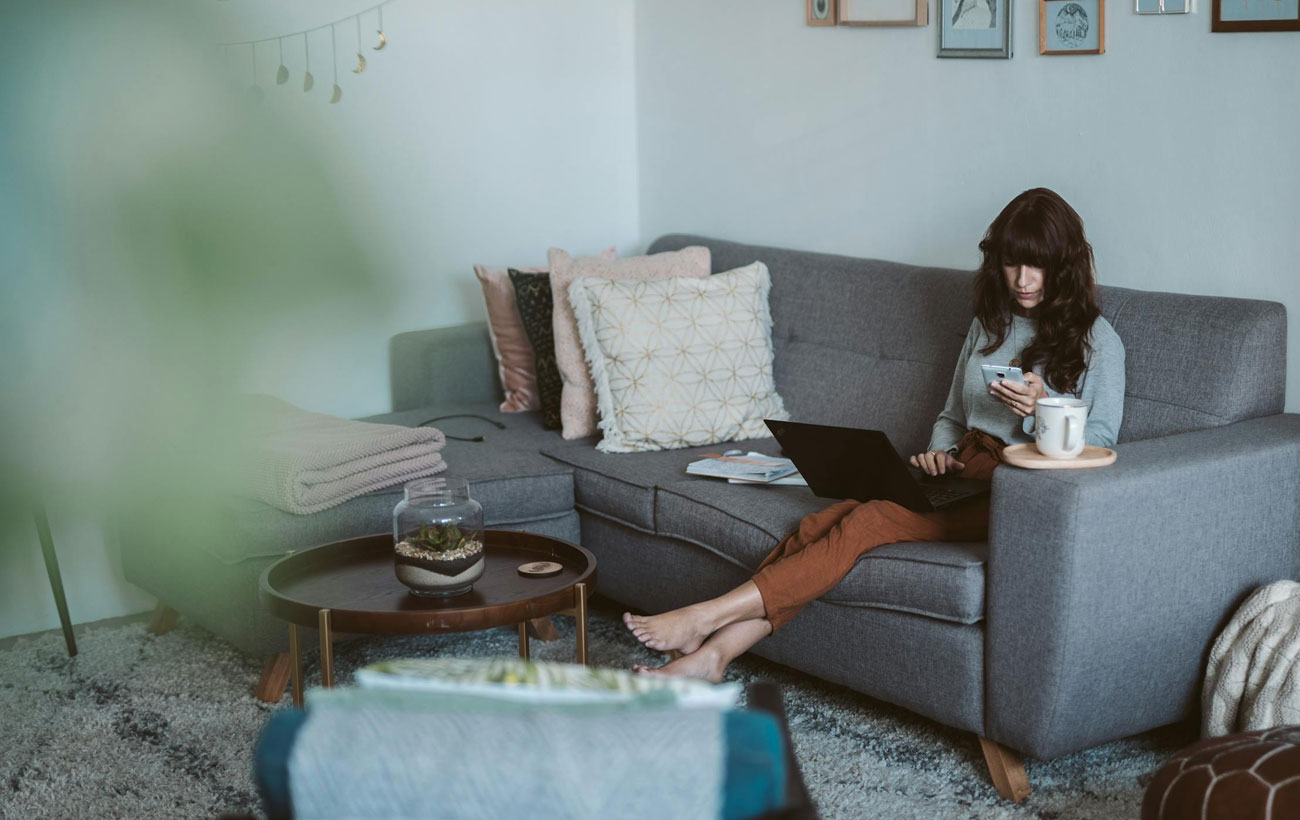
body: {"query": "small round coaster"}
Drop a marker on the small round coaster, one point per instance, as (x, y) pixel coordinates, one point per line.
(540, 569)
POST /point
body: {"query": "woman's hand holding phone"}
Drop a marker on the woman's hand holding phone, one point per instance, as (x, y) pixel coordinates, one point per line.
(936, 462)
(1020, 397)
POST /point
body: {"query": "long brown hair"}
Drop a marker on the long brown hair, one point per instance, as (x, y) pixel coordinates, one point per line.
(1040, 229)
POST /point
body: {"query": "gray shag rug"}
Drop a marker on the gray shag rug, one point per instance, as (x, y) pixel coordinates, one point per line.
(163, 726)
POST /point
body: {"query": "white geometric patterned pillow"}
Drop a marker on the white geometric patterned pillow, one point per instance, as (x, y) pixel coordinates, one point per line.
(679, 362)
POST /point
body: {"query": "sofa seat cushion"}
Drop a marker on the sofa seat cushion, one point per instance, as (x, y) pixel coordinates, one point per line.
(506, 471)
(622, 485)
(743, 524)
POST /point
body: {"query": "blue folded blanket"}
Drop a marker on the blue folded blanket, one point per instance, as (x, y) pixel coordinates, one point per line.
(754, 770)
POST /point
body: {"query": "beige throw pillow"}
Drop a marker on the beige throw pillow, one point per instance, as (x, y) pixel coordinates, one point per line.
(509, 341)
(578, 397)
(679, 362)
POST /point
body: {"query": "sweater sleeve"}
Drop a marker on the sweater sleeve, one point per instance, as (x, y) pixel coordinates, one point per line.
(1103, 386)
(951, 424)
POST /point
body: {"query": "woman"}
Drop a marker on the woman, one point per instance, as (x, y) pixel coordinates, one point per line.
(1035, 308)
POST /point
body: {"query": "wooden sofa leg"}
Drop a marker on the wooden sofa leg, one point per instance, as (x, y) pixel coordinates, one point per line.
(1006, 769)
(162, 620)
(275, 676)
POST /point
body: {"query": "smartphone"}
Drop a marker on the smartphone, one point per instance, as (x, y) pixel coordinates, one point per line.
(998, 373)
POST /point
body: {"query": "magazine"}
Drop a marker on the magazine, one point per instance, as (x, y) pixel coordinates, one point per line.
(751, 468)
(793, 479)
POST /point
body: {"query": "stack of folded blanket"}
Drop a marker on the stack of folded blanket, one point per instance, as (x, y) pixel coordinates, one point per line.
(303, 462)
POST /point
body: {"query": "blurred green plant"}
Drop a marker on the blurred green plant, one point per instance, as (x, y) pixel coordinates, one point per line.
(155, 229)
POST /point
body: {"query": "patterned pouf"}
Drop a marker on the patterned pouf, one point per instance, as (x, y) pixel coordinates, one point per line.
(1251, 776)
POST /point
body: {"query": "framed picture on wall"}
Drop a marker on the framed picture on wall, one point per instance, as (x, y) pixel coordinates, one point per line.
(1162, 6)
(975, 28)
(1255, 15)
(884, 12)
(1071, 26)
(821, 12)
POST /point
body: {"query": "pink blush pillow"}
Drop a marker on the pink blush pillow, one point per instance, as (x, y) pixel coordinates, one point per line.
(578, 396)
(510, 345)
(509, 342)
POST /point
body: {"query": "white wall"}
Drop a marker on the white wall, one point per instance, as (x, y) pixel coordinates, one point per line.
(1177, 146)
(484, 132)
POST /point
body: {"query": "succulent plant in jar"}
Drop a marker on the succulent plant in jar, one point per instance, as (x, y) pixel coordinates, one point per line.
(438, 538)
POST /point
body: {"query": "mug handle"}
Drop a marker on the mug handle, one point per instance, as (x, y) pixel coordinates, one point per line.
(1071, 430)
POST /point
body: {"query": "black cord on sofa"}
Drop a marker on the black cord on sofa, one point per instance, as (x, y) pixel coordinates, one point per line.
(493, 422)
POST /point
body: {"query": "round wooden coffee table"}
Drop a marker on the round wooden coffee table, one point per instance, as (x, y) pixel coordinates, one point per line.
(349, 586)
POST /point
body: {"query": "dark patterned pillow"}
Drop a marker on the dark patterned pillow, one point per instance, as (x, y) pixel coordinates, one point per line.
(533, 297)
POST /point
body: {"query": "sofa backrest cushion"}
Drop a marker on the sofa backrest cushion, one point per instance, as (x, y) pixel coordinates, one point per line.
(1196, 361)
(869, 343)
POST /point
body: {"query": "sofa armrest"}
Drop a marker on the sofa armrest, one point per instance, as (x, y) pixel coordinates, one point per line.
(445, 364)
(1105, 588)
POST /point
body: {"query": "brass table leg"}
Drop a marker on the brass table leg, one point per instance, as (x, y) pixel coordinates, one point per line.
(295, 664)
(580, 617)
(326, 651)
(56, 579)
(523, 641)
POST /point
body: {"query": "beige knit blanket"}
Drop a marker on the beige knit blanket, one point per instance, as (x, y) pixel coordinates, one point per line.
(1252, 680)
(303, 462)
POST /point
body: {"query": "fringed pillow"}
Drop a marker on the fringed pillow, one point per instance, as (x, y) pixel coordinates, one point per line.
(679, 362)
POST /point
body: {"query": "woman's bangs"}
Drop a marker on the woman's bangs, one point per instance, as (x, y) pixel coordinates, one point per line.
(1020, 244)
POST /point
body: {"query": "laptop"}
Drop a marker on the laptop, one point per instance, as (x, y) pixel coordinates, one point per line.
(847, 462)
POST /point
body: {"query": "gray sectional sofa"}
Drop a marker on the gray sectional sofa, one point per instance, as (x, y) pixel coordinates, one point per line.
(1086, 616)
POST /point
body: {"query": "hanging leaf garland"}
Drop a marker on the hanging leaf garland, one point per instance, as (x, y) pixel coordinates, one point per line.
(282, 73)
(361, 58)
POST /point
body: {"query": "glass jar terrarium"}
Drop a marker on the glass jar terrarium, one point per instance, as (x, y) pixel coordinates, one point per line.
(438, 537)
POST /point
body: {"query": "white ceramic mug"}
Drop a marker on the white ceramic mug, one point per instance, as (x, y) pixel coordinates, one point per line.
(1059, 425)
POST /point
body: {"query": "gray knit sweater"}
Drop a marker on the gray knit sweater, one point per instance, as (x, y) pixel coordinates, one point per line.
(970, 406)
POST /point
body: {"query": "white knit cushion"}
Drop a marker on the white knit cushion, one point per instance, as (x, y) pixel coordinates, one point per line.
(679, 362)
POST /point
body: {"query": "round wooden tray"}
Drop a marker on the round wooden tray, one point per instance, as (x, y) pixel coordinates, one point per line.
(1027, 455)
(354, 579)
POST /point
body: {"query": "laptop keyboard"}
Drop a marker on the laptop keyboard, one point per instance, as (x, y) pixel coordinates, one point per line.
(941, 495)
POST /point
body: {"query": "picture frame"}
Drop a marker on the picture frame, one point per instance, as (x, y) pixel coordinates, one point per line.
(822, 12)
(1162, 6)
(1072, 26)
(975, 28)
(884, 12)
(1255, 15)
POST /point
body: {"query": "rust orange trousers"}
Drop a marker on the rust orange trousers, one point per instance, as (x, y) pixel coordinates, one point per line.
(810, 561)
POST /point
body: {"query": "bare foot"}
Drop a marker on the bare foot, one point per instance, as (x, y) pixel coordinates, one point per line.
(704, 664)
(682, 629)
